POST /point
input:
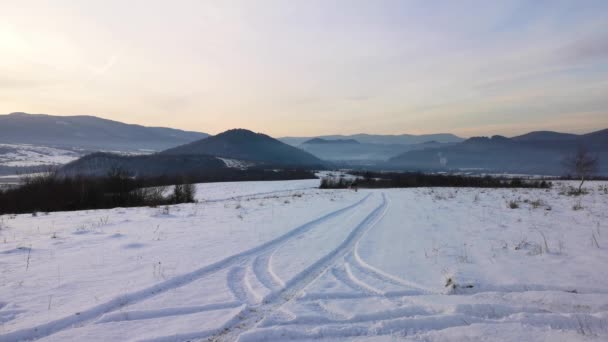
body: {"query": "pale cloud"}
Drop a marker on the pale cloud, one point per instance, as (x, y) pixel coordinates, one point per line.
(311, 67)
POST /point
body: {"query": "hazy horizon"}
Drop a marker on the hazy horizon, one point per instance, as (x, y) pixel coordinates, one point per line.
(312, 68)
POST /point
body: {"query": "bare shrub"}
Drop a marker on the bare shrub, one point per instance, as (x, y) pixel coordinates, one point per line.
(582, 164)
(537, 203)
(594, 242)
(532, 248)
(335, 183)
(183, 193)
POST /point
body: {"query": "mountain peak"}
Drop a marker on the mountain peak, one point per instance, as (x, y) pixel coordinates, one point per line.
(243, 144)
(545, 136)
(241, 134)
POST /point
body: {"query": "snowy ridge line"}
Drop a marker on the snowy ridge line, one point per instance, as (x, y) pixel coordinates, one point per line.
(97, 311)
(137, 315)
(250, 317)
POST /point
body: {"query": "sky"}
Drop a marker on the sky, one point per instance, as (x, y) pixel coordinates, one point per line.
(304, 68)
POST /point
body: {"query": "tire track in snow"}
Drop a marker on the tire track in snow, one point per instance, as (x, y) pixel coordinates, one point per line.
(407, 325)
(345, 275)
(479, 311)
(95, 312)
(262, 268)
(137, 315)
(239, 286)
(250, 317)
(401, 312)
(364, 267)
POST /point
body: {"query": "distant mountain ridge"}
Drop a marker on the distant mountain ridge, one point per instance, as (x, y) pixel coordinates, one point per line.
(545, 136)
(367, 149)
(401, 139)
(326, 141)
(89, 132)
(539, 152)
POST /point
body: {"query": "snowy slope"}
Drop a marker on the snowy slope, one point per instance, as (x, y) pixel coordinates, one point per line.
(274, 261)
(30, 155)
(19, 155)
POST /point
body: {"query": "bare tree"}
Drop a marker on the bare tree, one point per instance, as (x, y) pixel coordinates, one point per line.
(582, 164)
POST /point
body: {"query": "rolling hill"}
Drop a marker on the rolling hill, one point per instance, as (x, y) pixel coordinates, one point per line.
(245, 145)
(89, 132)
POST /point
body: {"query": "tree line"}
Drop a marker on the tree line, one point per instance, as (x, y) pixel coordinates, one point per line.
(51, 191)
(370, 179)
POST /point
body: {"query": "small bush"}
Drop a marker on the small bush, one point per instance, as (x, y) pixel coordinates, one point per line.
(572, 191)
(335, 183)
(183, 193)
(513, 205)
(531, 248)
(537, 203)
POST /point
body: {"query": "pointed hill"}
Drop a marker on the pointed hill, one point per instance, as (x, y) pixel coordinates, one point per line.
(245, 145)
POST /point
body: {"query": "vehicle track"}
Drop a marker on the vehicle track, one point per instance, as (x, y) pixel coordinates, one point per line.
(263, 271)
(94, 313)
(251, 316)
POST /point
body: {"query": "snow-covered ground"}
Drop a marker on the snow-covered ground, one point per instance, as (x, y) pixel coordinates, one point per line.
(276, 261)
(31, 155)
(25, 155)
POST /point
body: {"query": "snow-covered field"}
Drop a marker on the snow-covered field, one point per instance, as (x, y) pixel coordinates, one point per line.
(276, 261)
(30, 155)
(25, 155)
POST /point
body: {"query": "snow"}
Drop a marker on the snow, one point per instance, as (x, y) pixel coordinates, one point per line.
(21, 155)
(30, 155)
(267, 261)
(235, 163)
